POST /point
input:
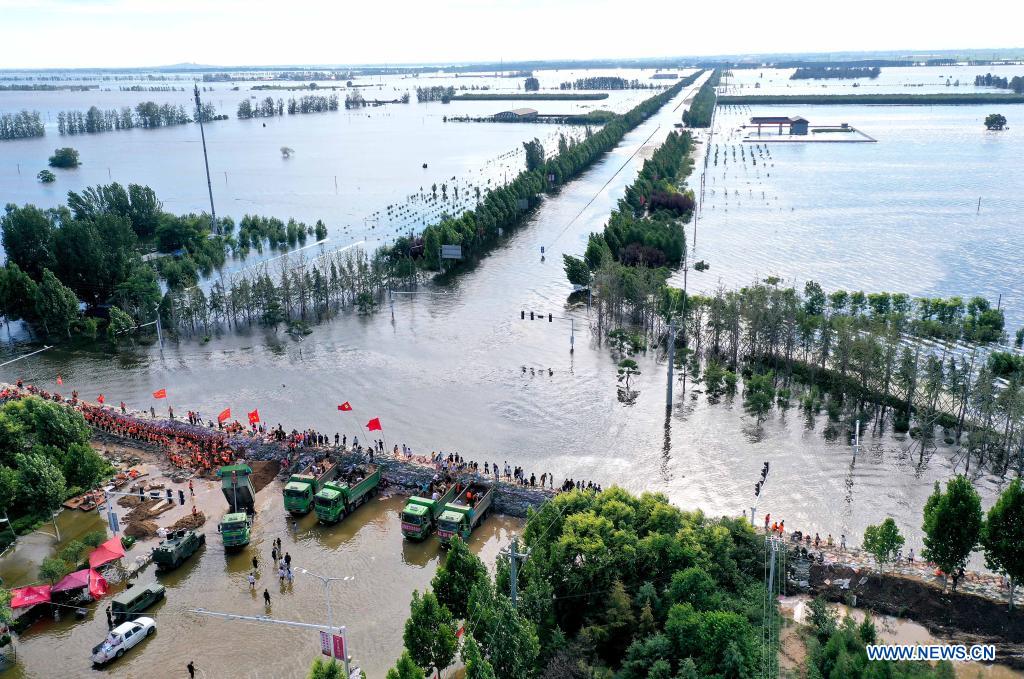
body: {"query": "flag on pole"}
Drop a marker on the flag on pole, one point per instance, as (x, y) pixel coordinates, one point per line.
(225, 415)
(160, 393)
(374, 425)
(254, 416)
(100, 399)
(345, 407)
(60, 381)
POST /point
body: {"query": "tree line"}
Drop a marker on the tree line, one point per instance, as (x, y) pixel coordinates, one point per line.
(1016, 83)
(606, 83)
(702, 107)
(435, 93)
(503, 207)
(146, 115)
(90, 250)
(837, 72)
(21, 125)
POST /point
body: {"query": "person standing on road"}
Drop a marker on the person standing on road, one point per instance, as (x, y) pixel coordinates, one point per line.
(288, 560)
(255, 562)
(110, 619)
(252, 581)
(191, 667)
(266, 597)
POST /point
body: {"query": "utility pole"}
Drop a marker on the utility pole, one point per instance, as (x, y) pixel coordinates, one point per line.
(206, 161)
(671, 362)
(514, 555)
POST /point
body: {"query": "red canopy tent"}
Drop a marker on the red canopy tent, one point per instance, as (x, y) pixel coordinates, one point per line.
(111, 550)
(76, 580)
(97, 584)
(24, 597)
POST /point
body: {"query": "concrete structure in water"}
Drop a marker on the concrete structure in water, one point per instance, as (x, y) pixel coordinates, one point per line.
(796, 125)
(517, 114)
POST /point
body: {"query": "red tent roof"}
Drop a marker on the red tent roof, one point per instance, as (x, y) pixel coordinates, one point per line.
(30, 596)
(97, 584)
(111, 550)
(76, 580)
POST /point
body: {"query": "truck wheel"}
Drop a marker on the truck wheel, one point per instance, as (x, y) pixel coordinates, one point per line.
(202, 539)
(119, 653)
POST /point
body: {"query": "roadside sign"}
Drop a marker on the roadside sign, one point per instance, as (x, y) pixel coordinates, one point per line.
(327, 641)
(451, 252)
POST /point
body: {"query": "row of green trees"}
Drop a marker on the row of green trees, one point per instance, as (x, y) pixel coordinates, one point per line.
(313, 104)
(265, 108)
(45, 458)
(954, 527)
(148, 114)
(21, 125)
(606, 83)
(435, 93)
(503, 208)
(1016, 83)
(835, 72)
(703, 105)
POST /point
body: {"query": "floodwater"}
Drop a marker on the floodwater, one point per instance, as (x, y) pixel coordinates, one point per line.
(899, 215)
(368, 546)
(448, 374)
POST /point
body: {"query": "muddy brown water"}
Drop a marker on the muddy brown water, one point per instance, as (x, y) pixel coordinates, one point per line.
(368, 545)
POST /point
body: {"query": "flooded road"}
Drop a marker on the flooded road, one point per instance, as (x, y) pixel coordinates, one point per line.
(367, 546)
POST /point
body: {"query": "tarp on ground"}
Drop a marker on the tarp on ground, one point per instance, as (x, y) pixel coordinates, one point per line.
(76, 580)
(111, 550)
(24, 597)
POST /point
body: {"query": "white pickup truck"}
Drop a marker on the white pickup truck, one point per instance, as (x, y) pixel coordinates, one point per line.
(121, 638)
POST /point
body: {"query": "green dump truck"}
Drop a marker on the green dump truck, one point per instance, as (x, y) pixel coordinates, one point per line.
(236, 525)
(176, 548)
(463, 514)
(419, 517)
(337, 499)
(302, 487)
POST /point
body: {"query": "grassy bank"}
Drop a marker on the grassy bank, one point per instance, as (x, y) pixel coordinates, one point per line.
(891, 99)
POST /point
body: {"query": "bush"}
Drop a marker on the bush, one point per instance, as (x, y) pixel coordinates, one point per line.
(66, 157)
(46, 177)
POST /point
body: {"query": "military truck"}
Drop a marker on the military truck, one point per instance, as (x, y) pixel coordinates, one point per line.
(337, 499)
(236, 525)
(130, 603)
(302, 487)
(462, 515)
(419, 517)
(178, 546)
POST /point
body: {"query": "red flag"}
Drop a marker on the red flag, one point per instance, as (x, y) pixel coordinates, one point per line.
(374, 424)
(254, 416)
(346, 406)
(160, 393)
(225, 415)
(60, 381)
(100, 399)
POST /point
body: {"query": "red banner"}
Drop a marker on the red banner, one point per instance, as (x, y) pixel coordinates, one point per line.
(254, 417)
(374, 425)
(346, 406)
(225, 415)
(160, 393)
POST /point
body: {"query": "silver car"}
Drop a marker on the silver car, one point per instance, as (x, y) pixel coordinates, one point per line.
(122, 638)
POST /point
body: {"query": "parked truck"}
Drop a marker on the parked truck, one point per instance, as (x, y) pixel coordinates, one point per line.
(337, 499)
(419, 517)
(303, 487)
(463, 514)
(176, 548)
(236, 525)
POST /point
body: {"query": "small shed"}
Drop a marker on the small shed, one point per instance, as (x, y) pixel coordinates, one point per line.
(517, 114)
(798, 125)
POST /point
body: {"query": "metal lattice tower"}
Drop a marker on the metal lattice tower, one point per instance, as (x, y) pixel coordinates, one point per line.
(774, 587)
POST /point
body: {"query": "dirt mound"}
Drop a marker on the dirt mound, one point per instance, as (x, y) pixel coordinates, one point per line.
(263, 472)
(148, 510)
(129, 501)
(965, 617)
(188, 522)
(142, 530)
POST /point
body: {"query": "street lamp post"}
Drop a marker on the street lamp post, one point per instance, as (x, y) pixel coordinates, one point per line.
(330, 615)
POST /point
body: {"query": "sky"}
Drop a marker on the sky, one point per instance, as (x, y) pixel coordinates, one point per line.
(132, 33)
